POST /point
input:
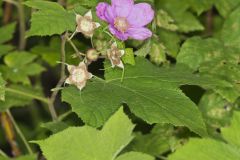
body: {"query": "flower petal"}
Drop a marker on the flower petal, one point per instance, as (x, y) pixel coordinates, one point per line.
(120, 65)
(110, 14)
(122, 7)
(78, 18)
(68, 81)
(139, 33)
(119, 35)
(101, 9)
(88, 14)
(122, 2)
(81, 85)
(141, 14)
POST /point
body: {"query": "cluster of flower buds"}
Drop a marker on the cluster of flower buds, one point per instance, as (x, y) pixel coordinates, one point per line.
(126, 20)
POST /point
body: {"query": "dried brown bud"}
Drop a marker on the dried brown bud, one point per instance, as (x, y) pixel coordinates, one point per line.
(92, 55)
(85, 24)
(114, 54)
(78, 75)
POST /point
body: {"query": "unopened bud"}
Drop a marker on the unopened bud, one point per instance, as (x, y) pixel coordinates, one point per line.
(92, 55)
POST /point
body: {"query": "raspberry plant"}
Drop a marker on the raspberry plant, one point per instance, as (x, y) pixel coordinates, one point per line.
(119, 79)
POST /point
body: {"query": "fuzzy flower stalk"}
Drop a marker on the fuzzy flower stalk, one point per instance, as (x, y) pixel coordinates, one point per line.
(126, 19)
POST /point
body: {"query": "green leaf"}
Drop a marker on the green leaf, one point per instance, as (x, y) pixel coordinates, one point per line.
(51, 18)
(4, 49)
(171, 41)
(195, 50)
(216, 110)
(155, 143)
(157, 54)
(231, 133)
(18, 96)
(134, 156)
(230, 32)
(128, 57)
(184, 19)
(20, 65)
(89, 143)
(225, 7)
(208, 56)
(207, 149)
(165, 21)
(144, 50)
(87, 3)
(55, 127)
(152, 94)
(2, 88)
(26, 157)
(200, 6)
(199, 148)
(6, 32)
(188, 22)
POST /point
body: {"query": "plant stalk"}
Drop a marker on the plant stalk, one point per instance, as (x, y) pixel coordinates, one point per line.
(61, 80)
(20, 132)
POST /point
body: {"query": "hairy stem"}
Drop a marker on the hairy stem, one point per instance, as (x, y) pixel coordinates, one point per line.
(61, 80)
(19, 132)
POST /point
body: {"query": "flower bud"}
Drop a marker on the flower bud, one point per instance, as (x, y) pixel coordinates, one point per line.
(92, 55)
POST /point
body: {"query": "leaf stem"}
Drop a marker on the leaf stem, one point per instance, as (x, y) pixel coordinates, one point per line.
(74, 47)
(64, 115)
(19, 132)
(42, 99)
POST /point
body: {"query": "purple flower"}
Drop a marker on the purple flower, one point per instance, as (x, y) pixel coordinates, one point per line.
(127, 19)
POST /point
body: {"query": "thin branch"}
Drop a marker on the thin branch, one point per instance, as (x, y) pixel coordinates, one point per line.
(20, 132)
(209, 22)
(75, 48)
(61, 80)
